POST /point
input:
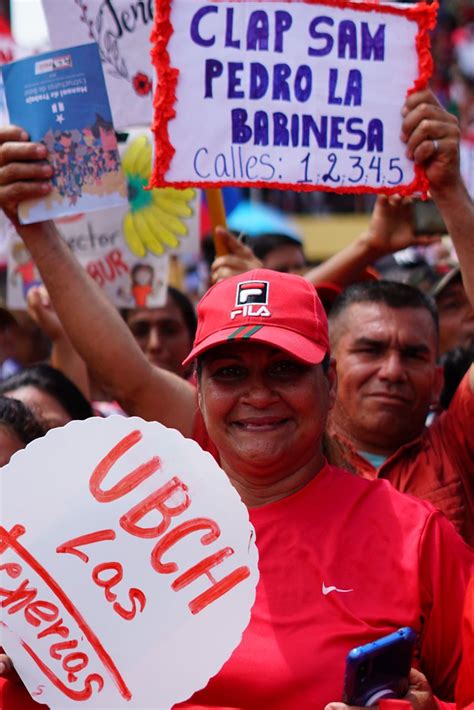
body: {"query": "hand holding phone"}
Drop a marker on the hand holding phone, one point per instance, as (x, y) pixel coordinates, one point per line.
(379, 669)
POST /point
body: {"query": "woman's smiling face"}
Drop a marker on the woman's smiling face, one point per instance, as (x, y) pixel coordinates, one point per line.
(265, 410)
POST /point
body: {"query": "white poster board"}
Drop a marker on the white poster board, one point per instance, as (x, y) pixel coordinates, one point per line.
(125, 250)
(9, 52)
(122, 30)
(298, 95)
(130, 559)
(97, 241)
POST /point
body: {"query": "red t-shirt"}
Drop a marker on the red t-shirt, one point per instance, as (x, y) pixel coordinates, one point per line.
(342, 561)
(437, 466)
(465, 684)
(390, 560)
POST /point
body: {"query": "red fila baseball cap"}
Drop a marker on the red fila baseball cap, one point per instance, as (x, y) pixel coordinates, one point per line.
(263, 306)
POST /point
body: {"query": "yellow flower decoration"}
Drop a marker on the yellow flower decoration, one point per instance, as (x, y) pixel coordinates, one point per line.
(155, 221)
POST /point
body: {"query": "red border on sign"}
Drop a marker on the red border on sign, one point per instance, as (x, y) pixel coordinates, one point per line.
(167, 78)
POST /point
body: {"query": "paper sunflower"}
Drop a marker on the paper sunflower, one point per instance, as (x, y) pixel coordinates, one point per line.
(155, 221)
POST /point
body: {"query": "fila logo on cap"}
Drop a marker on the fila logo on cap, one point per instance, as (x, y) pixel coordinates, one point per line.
(251, 299)
(252, 292)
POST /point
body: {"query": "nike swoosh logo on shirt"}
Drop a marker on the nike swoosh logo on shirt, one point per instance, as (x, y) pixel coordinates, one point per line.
(328, 590)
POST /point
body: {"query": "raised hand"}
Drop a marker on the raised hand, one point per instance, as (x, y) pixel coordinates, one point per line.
(23, 173)
(240, 258)
(432, 137)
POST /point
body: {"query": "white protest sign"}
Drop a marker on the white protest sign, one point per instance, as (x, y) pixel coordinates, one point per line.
(128, 565)
(125, 249)
(5, 231)
(300, 95)
(122, 30)
(9, 52)
(9, 49)
(97, 241)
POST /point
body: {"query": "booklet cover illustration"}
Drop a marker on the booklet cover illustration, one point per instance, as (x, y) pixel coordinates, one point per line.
(60, 98)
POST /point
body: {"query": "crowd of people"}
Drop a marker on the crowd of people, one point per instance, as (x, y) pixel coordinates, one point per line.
(325, 404)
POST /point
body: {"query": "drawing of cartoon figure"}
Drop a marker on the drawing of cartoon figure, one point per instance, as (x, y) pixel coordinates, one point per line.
(141, 288)
(142, 277)
(25, 268)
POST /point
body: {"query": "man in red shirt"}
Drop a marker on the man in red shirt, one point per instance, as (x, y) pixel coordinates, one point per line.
(384, 339)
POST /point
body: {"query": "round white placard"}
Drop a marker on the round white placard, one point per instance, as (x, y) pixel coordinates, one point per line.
(128, 565)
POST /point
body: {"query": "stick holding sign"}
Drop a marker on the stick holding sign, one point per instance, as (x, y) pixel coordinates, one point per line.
(215, 203)
(288, 94)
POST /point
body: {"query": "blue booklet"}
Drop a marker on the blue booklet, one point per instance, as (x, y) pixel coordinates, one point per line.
(60, 98)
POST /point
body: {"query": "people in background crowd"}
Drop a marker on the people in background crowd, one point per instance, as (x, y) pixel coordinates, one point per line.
(48, 393)
(18, 426)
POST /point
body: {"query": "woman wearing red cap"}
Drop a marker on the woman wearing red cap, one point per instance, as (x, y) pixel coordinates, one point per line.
(343, 560)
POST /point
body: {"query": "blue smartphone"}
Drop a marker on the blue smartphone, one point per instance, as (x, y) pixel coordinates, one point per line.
(379, 669)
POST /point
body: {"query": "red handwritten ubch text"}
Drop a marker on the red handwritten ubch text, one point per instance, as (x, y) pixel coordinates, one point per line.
(110, 574)
(74, 647)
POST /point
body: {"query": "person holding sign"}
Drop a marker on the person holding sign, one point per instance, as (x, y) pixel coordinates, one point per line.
(379, 418)
(363, 559)
(96, 329)
(342, 560)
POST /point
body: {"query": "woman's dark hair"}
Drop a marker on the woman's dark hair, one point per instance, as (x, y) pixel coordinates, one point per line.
(53, 382)
(142, 267)
(17, 417)
(456, 363)
(186, 308)
(265, 243)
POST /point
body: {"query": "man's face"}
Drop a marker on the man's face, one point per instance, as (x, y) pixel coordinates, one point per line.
(288, 258)
(387, 375)
(162, 335)
(456, 318)
(264, 410)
